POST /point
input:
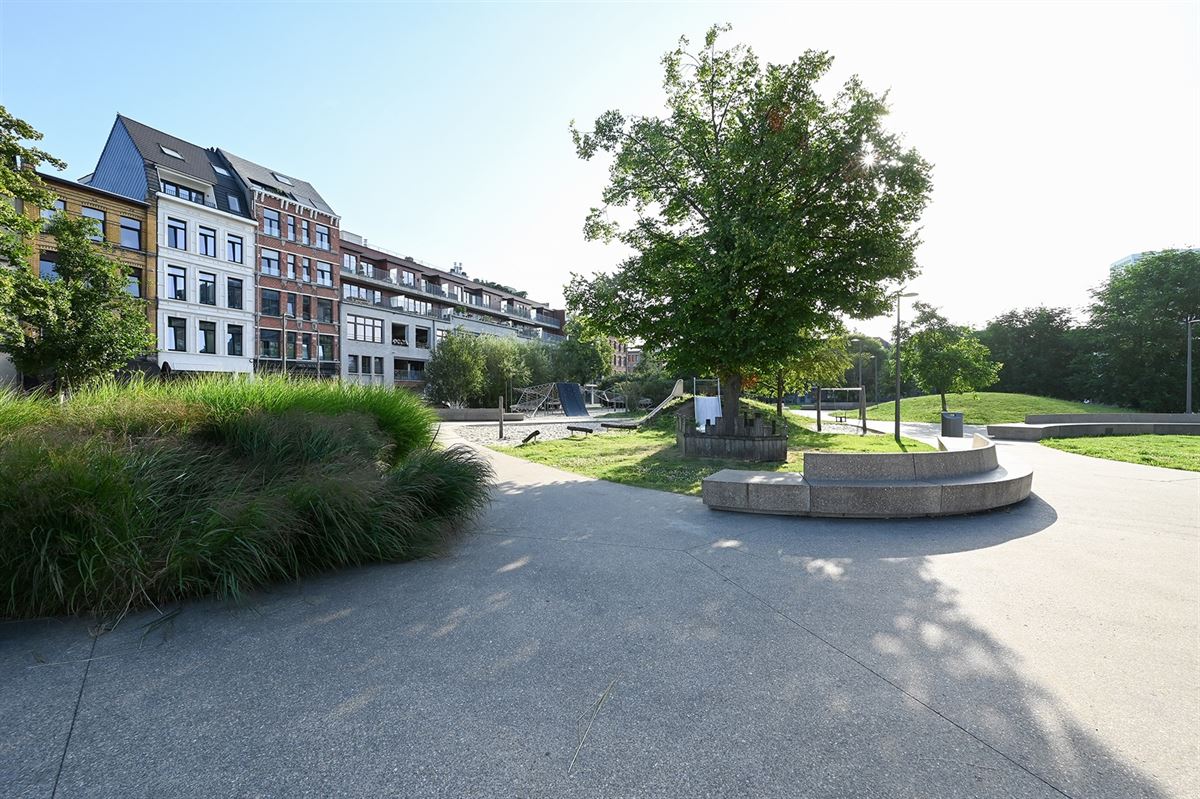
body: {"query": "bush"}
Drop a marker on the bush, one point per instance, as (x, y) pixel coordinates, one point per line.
(132, 495)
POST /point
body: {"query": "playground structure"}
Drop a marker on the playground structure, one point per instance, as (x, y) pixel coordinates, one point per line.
(552, 397)
(676, 393)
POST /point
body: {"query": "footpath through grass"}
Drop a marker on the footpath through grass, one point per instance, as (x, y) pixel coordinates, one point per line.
(648, 458)
(982, 408)
(1169, 452)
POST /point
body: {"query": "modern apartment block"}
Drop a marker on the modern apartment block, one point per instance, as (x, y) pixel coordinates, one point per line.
(297, 275)
(395, 309)
(204, 241)
(128, 226)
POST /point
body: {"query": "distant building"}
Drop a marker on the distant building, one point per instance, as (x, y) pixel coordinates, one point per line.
(626, 357)
(395, 309)
(1130, 260)
(203, 238)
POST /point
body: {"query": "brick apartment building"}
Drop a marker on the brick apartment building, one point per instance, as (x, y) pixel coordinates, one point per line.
(296, 274)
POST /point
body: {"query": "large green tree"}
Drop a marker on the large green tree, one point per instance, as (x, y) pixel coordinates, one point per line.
(19, 187)
(1136, 346)
(585, 356)
(79, 324)
(455, 372)
(757, 210)
(944, 357)
(1037, 347)
(504, 364)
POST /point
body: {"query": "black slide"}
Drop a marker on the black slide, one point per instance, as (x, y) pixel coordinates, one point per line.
(570, 396)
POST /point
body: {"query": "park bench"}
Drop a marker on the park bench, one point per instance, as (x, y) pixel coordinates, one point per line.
(574, 429)
(876, 485)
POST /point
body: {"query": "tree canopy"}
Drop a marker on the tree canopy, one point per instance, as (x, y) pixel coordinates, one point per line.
(455, 372)
(944, 357)
(1036, 346)
(757, 210)
(78, 324)
(19, 186)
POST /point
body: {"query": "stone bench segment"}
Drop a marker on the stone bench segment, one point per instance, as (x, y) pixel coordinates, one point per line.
(1038, 431)
(898, 485)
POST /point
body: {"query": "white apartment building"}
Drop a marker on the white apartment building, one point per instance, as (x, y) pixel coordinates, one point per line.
(205, 281)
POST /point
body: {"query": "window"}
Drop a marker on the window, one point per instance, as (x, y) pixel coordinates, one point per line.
(378, 365)
(306, 347)
(234, 203)
(131, 233)
(413, 306)
(306, 308)
(423, 338)
(304, 231)
(368, 268)
(305, 270)
(208, 242)
(170, 152)
(48, 213)
(291, 306)
(322, 237)
(291, 345)
(176, 334)
(349, 262)
(208, 289)
(233, 339)
(98, 215)
(208, 338)
(352, 368)
(291, 228)
(233, 292)
(282, 179)
(364, 328)
(270, 262)
(220, 170)
(407, 278)
(324, 274)
(291, 262)
(268, 343)
(183, 192)
(325, 348)
(176, 283)
(48, 266)
(271, 222)
(233, 249)
(324, 310)
(269, 304)
(176, 233)
(133, 284)
(352, 292)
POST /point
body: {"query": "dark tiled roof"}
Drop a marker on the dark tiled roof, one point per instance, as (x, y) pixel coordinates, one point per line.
(299, 190)
(195, 162)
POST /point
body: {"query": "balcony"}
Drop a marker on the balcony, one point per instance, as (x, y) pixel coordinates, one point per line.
(409, 375)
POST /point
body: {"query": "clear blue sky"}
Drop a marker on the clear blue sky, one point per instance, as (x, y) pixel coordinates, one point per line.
(1063, 136)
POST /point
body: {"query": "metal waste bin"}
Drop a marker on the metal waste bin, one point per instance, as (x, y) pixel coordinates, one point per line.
(952, 425)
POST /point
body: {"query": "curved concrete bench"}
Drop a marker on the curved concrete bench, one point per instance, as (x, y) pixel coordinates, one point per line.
(885, 485)
(1078, 425)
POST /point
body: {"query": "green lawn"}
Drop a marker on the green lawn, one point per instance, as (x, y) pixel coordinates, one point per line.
(982, 408)
(649, 458)
(1170, 452)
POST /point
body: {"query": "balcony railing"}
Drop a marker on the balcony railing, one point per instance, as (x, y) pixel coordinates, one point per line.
(409, 375)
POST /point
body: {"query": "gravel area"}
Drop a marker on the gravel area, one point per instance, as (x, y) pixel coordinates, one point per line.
(514, 432)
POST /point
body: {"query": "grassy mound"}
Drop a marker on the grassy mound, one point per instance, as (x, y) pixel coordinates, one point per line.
(1169, 452)
(648, 458)
(135, 495)
(982, 408)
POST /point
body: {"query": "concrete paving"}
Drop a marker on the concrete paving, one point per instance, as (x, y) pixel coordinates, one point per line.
(590, 639)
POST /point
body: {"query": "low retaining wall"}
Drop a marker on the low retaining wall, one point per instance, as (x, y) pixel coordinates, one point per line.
(753, 439)
(885, 485)
(1080, 425)
(474, 415)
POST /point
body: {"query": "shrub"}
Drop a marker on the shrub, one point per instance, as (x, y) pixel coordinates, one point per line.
(150, 493)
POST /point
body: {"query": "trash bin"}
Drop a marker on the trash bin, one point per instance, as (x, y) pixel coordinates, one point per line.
(952, 425)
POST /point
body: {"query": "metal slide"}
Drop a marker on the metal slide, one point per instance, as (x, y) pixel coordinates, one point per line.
(570, 397)
(676, 392)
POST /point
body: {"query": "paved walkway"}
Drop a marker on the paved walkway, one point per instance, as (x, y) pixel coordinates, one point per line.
(927, 432)
(594, 640)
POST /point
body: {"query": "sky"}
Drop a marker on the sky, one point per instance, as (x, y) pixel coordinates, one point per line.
(1064, 136)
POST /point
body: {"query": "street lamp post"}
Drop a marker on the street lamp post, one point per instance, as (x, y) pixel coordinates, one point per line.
(858, 341)
(1188, 392)
(898, 295)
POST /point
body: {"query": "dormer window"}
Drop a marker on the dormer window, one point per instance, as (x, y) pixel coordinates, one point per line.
(285, 181)
(168, 151)
(234, 205)
(220, 170)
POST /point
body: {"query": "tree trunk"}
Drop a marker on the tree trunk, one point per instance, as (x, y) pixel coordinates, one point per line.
(943, 393)
(779, 394)
(731, 396)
